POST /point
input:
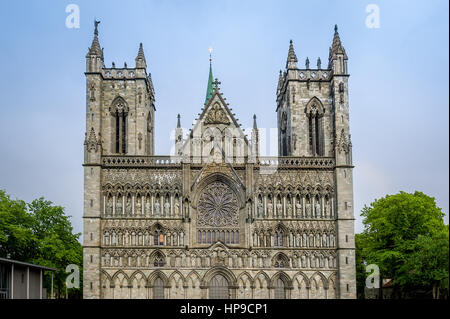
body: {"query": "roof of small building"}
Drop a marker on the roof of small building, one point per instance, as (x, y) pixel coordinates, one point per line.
(16, 262)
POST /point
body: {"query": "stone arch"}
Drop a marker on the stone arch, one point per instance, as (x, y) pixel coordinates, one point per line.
(319, 285)
(280, 260)
(121, 285)
(283, 276)
(193, 283)
(219, 177)
(158, 274)
(106, 285)
(301, 285)
(177, 285)
(245, 286)
(315, 105)
(139, 285)
(332, 286)
(262, 283)
(222, 271)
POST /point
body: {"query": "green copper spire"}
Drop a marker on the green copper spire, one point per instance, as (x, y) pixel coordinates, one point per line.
(209, 89)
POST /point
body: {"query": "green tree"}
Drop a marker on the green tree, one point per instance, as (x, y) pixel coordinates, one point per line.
(16, 238)
(40, 233)
(394, 230)
(58, 246)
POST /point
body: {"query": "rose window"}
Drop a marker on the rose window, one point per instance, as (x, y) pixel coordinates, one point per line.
(218, 206)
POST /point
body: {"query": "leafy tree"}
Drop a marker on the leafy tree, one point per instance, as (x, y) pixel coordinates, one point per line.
(427, 264)
(398, 227)
(58, 246)
(16, 237)
(40, 233)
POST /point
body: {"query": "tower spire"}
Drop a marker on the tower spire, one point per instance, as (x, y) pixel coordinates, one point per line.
(140, 58)
(209, 89)
(336, 47)
(178, 121)
(292, 60)
(95, 46)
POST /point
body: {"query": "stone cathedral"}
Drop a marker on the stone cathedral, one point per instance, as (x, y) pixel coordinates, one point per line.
(216, 219)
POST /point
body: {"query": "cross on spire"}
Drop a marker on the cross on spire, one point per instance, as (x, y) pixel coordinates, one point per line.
(216, 84)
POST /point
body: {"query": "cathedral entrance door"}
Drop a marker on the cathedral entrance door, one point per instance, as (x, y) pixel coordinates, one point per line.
(218, 288)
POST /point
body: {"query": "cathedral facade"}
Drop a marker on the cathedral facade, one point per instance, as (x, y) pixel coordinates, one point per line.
(216, 219)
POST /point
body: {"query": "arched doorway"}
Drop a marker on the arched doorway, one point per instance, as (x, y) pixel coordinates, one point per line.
(218, 288)
(158, 289)
(280, 292)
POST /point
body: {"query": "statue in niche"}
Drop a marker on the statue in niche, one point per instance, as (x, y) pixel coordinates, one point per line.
(289, 209)
(328, 209)
(324, 240)
(260, 208)
(270, 208)
(157, 207)
(128, 206)
(138, 209)
(119, 206)
(109, 207)
(298, 209)
(279, 209)
(147, 206)
(303, 261)
(167, 208)
(308, 210)
(317, 210)
(177, 207)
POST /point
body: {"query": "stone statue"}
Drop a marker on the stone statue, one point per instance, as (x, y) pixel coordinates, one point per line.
(279, 209)
(270, 209)
(128, 206)
(260, 209)
(298, 209)
(177, 208)
(157, 208)
(147, 207)
(308, 210)
(109, 207)
(138, 209)
(317, 210)
(289, 209)
(119, 206)
(167, 208)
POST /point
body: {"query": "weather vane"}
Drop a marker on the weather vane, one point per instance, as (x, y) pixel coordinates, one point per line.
(210, 51)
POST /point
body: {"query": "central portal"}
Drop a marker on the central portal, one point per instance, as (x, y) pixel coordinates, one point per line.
(218, 288)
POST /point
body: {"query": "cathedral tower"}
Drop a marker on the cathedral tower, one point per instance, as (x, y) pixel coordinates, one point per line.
(313, 121)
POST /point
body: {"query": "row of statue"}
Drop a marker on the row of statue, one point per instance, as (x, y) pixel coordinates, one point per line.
(303, 208)
(133, 238)
(279, 239)
(313, 260)
(142, 207)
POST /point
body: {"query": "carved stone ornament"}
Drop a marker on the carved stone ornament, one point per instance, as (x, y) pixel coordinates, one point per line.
(216, 115)
(218, 206)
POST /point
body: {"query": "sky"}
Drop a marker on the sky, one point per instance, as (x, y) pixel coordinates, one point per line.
(398, 85)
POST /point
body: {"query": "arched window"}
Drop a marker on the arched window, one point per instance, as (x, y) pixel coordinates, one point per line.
(218, 288)
(120, 112)
(280, 262)
(280, 292)
(158, 289)
(158, 237)
(315, 112)
(278, 238)
(159, 260)
(283, 128)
